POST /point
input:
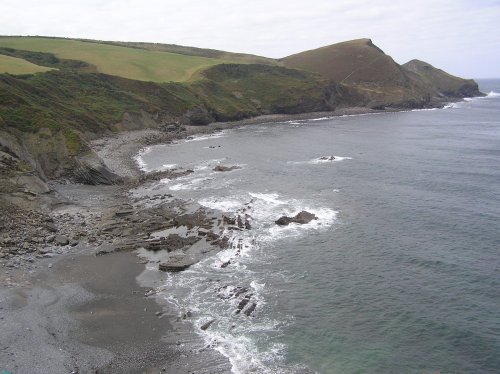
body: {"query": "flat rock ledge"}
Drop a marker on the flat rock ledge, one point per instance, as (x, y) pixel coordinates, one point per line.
(226, 168)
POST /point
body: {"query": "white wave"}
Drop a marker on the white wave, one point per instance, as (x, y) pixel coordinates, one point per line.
(198, 138)
(168, 166)
(268, 197)
(325, 218)
(321, 118)
(243, 340)
(336, 159)
(423, 110)
(193, 184)
(320, 160)
(139, 159)
(224, 205)
(471, 100)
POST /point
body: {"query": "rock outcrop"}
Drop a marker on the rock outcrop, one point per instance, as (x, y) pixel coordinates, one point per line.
(301, 218)
(226, 168)
(90, 169)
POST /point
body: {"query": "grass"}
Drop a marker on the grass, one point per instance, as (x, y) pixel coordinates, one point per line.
(132, 63)
(18, 66)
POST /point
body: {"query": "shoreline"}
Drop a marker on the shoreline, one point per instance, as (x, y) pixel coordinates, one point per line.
(117, 152)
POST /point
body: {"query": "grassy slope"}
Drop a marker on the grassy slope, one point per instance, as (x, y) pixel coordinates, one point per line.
(14, 65)
(356, 61)
(132, 63)
(362, 65)
(193, 51)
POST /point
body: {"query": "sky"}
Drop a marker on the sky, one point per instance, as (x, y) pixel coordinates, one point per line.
(459, 36)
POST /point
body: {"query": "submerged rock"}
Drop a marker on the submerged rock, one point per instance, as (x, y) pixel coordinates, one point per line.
(327, 158)
(226, 168)
(301, 218)
(207, 324)
(250, 309)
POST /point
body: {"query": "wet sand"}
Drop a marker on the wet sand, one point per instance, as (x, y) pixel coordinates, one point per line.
(87, 314)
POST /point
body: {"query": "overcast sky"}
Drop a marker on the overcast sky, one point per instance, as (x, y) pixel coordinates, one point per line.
(459, 36)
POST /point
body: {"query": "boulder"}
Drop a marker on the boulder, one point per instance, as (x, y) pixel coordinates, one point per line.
(301, 218)
(61, 240)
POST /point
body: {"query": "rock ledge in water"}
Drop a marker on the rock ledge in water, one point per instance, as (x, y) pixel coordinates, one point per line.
(301, 218)
(226, 168)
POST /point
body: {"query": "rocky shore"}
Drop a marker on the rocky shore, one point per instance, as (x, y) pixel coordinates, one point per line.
(69, 300)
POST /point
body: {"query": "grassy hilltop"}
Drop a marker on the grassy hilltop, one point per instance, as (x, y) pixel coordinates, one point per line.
(132, 63)
(56, 93)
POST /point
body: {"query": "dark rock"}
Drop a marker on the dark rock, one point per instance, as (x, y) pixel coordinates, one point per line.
(301, 218)
(283, 221)
(177, 263)
(250, 309)
(304, 217)
(243, 303)
(61, 240)
(229, 292)
(170, 243)
(229, 220)
(226, 168)
(225, 264)
(207, 324)
(327, 158)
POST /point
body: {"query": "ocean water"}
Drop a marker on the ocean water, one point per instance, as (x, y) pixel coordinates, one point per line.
(399, 274)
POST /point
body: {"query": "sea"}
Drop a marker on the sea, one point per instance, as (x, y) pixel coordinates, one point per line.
(399, 273)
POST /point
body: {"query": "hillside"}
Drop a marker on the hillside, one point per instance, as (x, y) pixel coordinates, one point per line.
(132, 63)
(351, 62)
(444, 84)
(16, 66)
(383, 82)
(47, 118)
(61, 93)
(193, 51)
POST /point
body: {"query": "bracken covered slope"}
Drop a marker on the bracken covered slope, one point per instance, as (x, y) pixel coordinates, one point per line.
(383, 82)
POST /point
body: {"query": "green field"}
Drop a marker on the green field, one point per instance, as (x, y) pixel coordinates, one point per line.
(16, 66)
(132, 63)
